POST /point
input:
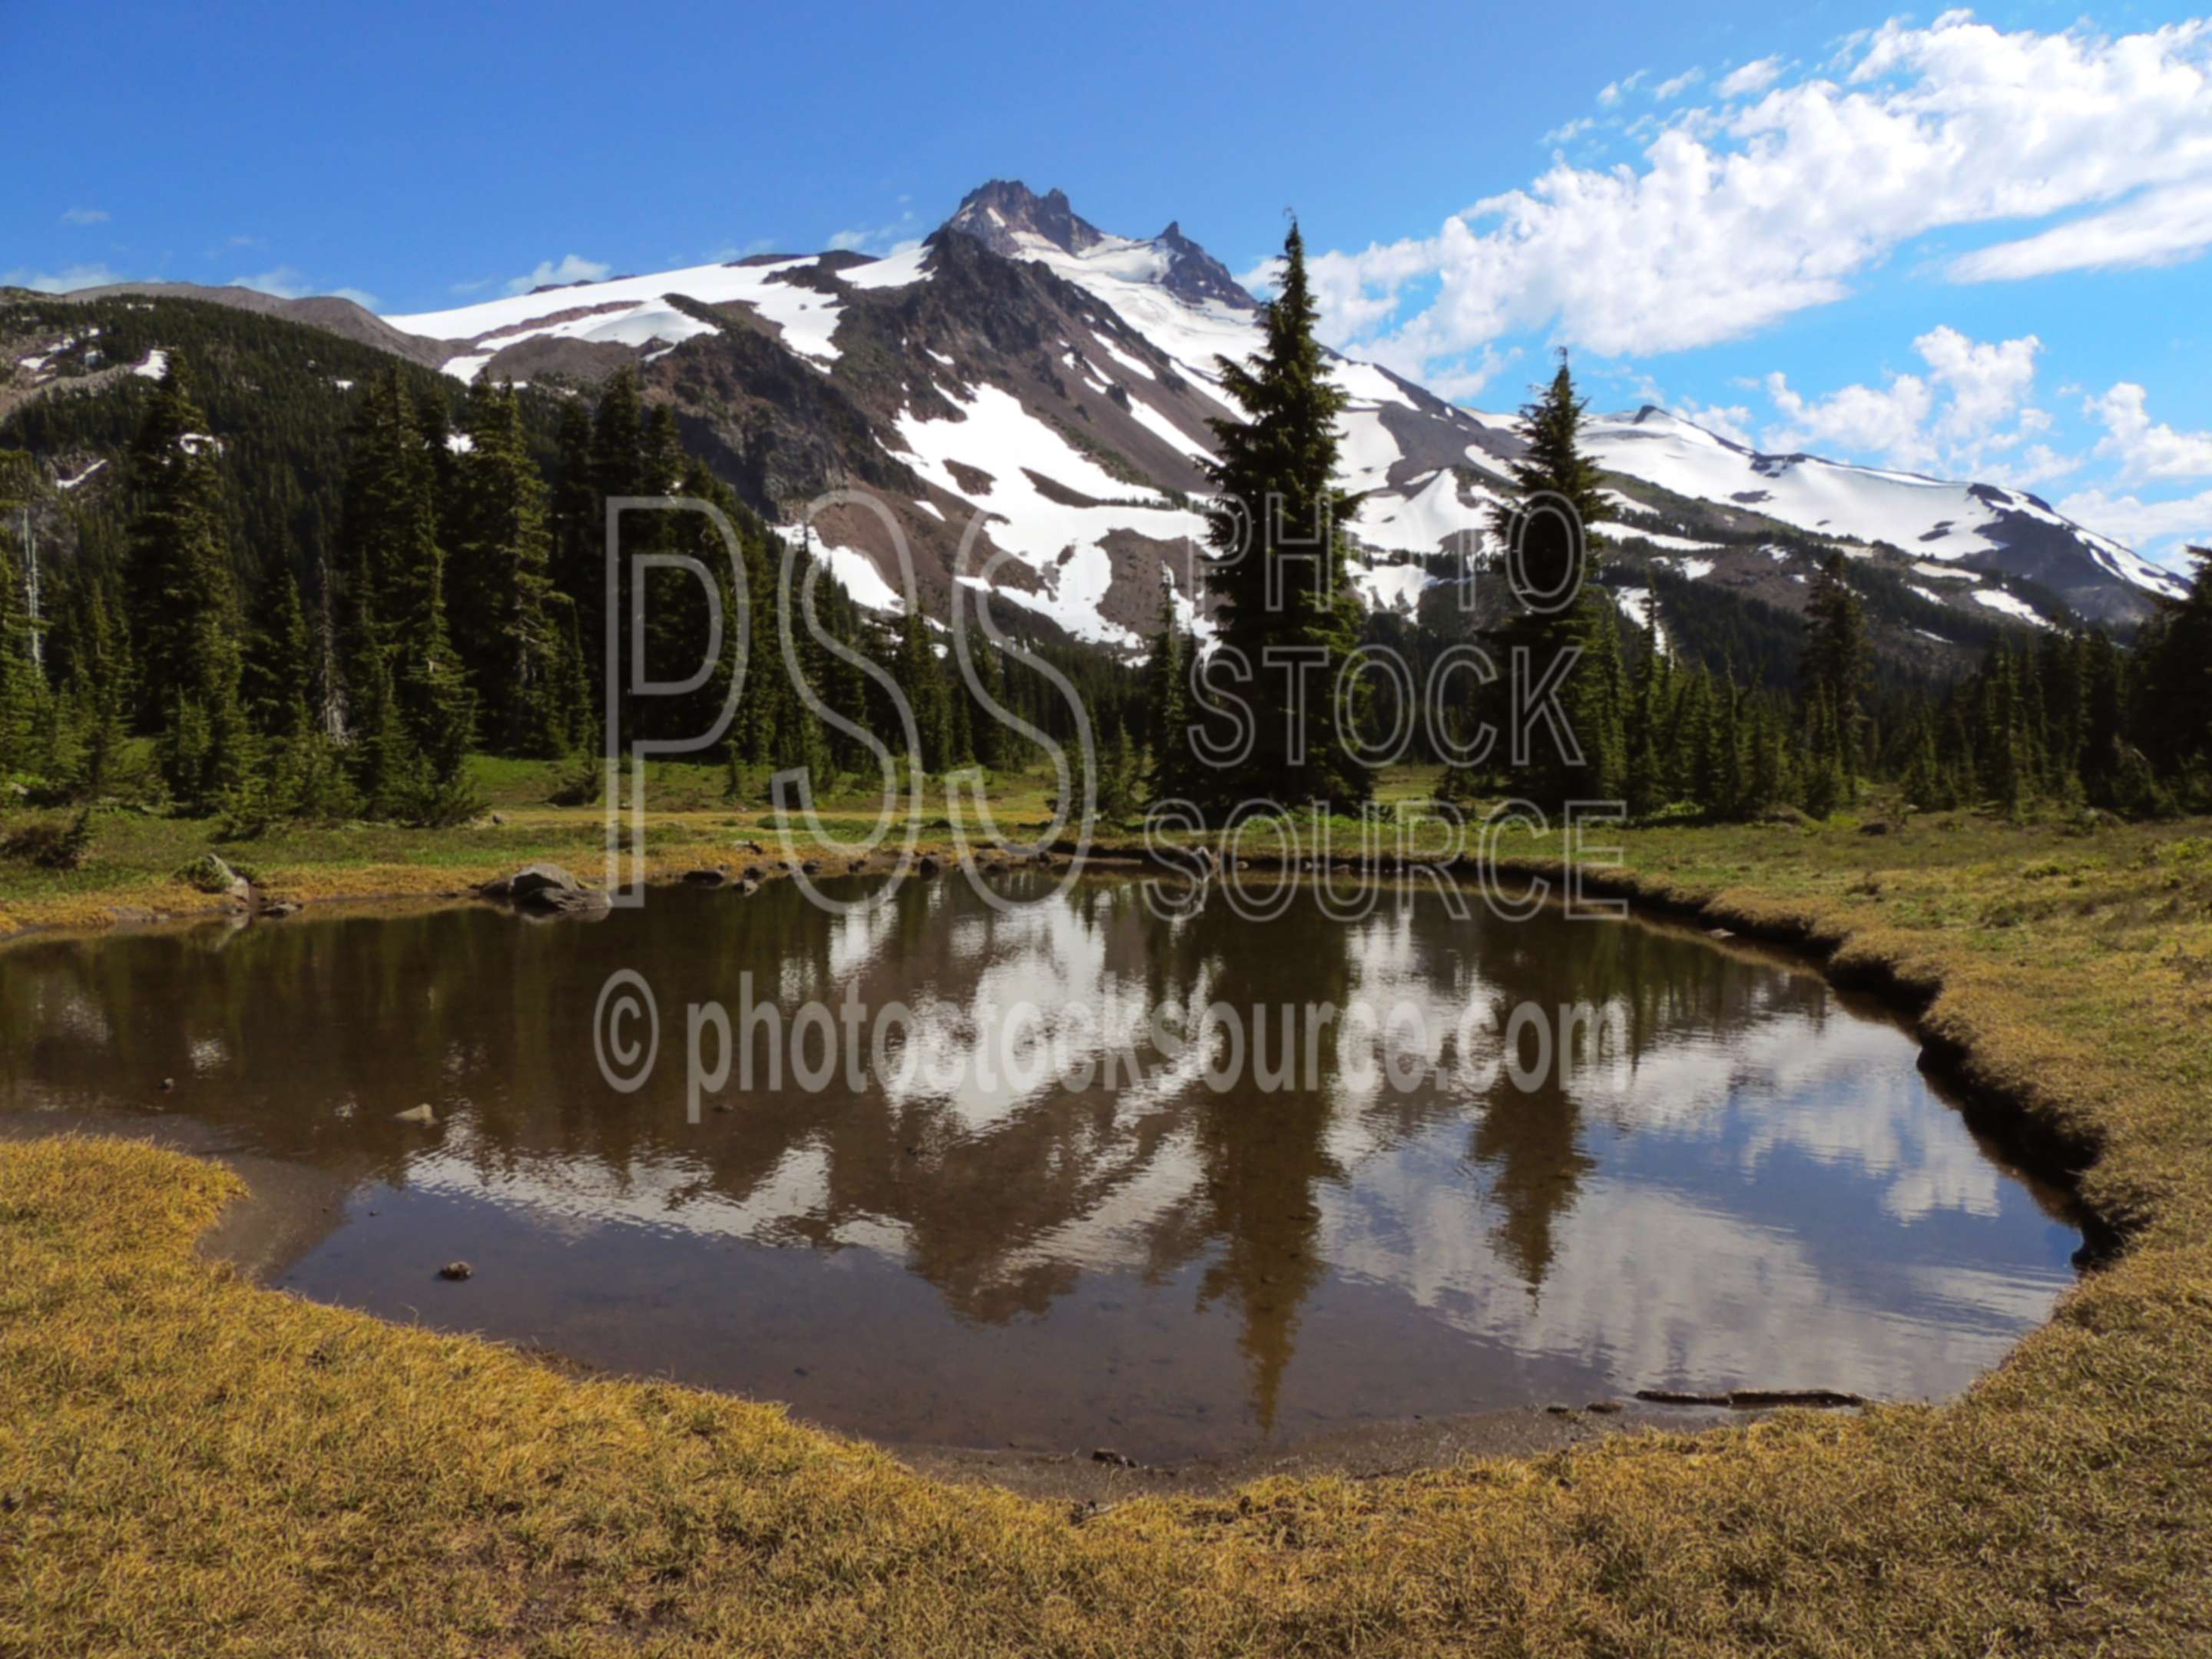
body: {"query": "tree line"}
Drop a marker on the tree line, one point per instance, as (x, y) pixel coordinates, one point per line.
(2070, 717)
(459, 606)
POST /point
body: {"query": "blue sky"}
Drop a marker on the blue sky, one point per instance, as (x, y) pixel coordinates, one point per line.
(1965, 245)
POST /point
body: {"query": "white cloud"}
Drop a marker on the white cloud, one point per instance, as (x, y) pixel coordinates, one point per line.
(1889, 421)
(85, 216)
(1614, 91)
(1754, 76)
(571, 268)
(732, 251)
(1567, 131)
(285, 282)
(2158, 530)
(2160, 227)
(1742, 214)
(1968, 415)
(2145, 450)
(1730, 421)
(290, 282)
(67, 279)
(897, 237)
(1681, 84)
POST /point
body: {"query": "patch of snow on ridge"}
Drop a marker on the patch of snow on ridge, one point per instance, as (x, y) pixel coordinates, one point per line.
(156, 366)
(2017, 608)
(1389, 586)
(893, 270)
(1064, 545)
(860, 577)
(633, 310)
(1622, 532)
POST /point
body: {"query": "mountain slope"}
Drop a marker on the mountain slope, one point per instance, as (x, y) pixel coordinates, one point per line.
(1031, 398)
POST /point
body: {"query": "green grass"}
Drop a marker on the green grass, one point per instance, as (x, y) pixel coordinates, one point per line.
(189, 1464)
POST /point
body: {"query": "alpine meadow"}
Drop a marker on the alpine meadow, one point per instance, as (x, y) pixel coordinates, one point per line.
(1484, 925)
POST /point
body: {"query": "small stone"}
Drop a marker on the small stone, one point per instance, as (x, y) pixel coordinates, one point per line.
(1603, 1408)
(455, 1270)
(1559, 1411)
(1107, 1455)
(422, 1114)
(168, 1083)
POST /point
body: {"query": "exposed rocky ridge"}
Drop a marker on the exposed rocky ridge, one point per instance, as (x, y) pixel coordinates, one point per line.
(1052, 385)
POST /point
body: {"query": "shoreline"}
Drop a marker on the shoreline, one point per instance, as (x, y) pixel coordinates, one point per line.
(276, 1220)
(397, 1489)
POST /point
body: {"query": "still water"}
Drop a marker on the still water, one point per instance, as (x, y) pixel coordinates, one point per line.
(1724, 1173)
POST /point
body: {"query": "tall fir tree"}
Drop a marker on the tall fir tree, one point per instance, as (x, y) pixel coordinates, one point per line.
(1279, 558)
(183, 583)
(1832, 672)
(1563, 631)
(506, 616)
(1171, 774)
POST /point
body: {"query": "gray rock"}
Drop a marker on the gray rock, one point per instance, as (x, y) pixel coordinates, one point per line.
(546, 888)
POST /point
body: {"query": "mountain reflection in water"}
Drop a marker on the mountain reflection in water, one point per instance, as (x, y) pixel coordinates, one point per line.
(1730, 1178)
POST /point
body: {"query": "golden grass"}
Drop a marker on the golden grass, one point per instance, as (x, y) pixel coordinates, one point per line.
(189, 1464)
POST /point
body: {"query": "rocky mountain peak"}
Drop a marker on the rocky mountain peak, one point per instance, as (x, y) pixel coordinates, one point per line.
(994, 212)
(1195, 274)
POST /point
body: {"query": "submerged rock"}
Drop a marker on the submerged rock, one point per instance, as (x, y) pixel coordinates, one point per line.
(455, 1270)
(422, 1114)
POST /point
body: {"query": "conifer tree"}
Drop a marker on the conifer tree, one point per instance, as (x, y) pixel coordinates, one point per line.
(1833, 671)
(417, 717)
(1561, 616)
(183, 585)
(101, 686)
(1169, 774)
(504, 622)
(1279, 557)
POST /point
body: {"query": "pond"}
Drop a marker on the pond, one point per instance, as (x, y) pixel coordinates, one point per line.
(1616, 1156)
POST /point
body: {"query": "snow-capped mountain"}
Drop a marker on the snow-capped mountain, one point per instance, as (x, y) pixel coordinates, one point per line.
(1058, 380)
(1973, 527)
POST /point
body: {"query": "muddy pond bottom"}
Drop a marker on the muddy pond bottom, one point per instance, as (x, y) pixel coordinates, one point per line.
(1455, 1165)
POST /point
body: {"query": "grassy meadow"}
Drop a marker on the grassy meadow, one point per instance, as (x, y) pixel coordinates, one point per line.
(192, 1464)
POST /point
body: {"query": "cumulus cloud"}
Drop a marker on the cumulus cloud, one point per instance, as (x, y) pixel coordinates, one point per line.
(570, 268)
(2144, 449)
(1730, 421)
(2159, 530)
(1968, 415)
(85, 216)
(1742, 214)
(1968, 411)
(1679, 85)
(67, 279)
